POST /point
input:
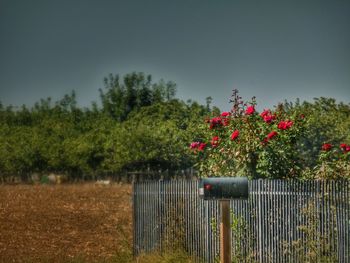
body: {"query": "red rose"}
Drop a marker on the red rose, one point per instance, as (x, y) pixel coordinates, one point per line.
(234, 135)
(250, 110)
(201, 146)
(285, 125)
(215, 122)
(289, 124)
(269, 118)
(265, 113)
(281, 125)
(326, 147)
(271, 135)
(345, 147)
(225, 114)
(194, 145)
(215, 141)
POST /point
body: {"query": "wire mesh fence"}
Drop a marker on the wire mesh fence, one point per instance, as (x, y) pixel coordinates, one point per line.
(282, 221)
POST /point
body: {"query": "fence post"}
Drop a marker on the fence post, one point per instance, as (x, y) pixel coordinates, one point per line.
(225, 232)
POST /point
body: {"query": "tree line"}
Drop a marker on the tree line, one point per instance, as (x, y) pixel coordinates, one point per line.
(139, 124)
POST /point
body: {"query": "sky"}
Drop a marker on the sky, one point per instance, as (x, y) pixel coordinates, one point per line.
(274, 50)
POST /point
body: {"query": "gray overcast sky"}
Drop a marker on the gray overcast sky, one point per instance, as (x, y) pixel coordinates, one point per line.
(274, 50)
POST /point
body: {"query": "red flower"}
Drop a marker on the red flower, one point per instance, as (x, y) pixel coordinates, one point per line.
(345, 147)
(285, 125)
(250, 110)
(265, 113)
(269, 118)
(215, 122)
(201, 146)
(234, 135)
(198, 146)
(215, 141)
(194, 145)
(225, 114)
(271, 135)
(289, 124)
(281, 125)
(326, 147)
(225, 121)
(302, 116)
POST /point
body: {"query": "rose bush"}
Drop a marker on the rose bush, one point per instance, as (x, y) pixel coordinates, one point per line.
(333, 162)
(243, 142)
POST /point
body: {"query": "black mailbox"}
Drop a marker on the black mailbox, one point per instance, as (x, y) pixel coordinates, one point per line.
(223, 188)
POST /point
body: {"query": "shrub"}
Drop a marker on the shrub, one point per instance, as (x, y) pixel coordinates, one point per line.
(269, 144)
(243, 142)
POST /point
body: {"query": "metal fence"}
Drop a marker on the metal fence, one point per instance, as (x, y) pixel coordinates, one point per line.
(282, 221)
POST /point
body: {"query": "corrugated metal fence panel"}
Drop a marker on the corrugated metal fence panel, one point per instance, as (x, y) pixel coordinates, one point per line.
(282, 221)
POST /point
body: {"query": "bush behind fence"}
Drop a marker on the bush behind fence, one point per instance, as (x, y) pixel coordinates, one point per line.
(282, 221)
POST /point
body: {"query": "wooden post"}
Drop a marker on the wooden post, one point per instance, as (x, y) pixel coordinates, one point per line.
(225, 232)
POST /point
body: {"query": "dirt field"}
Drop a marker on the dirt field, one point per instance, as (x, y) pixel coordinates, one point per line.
(56, 223)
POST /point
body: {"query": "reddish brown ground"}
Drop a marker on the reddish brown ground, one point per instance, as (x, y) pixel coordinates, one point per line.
(52, 223)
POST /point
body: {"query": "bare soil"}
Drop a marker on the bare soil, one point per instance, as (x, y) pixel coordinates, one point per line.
(53, 223)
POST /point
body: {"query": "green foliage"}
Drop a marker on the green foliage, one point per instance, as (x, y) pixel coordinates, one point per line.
(332, 164)
(139, 125)
(315, 246)
(327, 122)
(134, 91)
(241, 238)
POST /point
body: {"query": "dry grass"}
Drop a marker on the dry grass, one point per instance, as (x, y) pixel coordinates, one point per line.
(77, 223)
